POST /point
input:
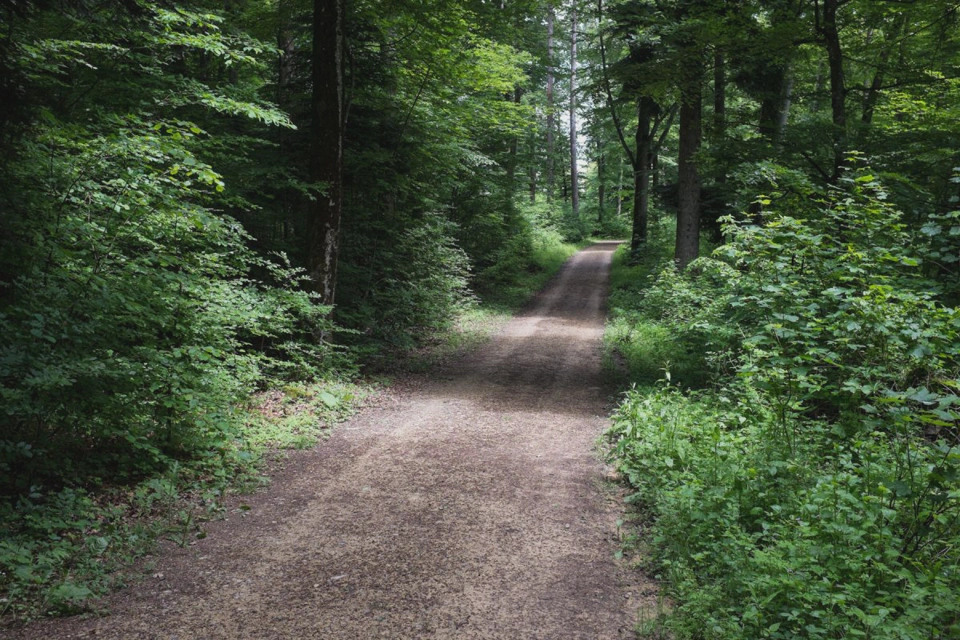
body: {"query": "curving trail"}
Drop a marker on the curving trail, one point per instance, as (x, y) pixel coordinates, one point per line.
(473, 507)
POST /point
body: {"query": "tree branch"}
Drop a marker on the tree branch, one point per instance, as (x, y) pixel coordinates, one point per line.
(606, 85)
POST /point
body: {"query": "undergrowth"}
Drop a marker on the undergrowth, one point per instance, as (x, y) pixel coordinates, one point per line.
(640, 342)
(62, 548)
(809, 487)
(526, 261)
(64, 543)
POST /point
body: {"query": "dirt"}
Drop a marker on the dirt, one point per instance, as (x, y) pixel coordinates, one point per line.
(473, 505)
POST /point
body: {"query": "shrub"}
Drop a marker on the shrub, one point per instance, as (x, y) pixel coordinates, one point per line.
(815, 491)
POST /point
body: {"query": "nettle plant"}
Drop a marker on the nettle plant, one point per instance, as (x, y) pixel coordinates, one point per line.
(837, 317)
(815, 492)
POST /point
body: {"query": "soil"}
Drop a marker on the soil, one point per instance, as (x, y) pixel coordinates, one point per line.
(472, 504)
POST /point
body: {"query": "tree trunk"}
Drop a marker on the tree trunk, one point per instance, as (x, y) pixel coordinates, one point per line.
(620, 187)
(601, 187)
(873, 90)
(688, 213)
(550, 117)
(326, 146)
(838, 90)
(641, 175)
(574, 170)
(532, 171)
(512, 157)
(786, 99)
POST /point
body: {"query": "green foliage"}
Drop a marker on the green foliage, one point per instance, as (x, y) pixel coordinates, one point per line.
(398, 289)
(523, 263)
(757, 539)
(137, 318)
(815, 491)
(648, 302)
(297, 415)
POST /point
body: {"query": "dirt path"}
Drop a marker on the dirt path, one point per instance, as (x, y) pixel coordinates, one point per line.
(471, 508)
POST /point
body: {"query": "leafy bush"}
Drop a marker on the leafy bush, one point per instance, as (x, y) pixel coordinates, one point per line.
(815, 491)
(136, 317)
(647, 301)
(526, 260)
(815, 536)
(401, 290)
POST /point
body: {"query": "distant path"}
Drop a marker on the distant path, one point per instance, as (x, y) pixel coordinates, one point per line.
(473, 507)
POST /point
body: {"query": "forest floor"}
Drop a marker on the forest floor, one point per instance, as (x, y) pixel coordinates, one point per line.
(470, 502)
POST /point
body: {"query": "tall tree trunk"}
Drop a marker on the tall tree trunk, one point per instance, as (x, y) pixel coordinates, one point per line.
(574, 170)
(641, 174)
(620, 186)
(601, 178)
(512, 158)
(326, 146)
(786, 99)
(838, 90)
(688, 213)
(532, 171)
(550, 116)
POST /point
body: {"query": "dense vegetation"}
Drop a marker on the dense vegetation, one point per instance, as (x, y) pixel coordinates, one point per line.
(161, 323)
(792, 436)
(213, 215)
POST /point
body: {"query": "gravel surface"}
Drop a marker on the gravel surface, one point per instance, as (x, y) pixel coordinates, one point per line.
(472, 505)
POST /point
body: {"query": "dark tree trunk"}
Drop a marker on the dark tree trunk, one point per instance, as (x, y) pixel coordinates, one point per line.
(876, 85)
(786, 99)
(551, 179)
(532, 172)
(620, 187)
(688, 212)
(512, 159)
(326, 146)
(775, 104)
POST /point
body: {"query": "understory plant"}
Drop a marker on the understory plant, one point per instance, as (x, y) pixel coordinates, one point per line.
(812, 490)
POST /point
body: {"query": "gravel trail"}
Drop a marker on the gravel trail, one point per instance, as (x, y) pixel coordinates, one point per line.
(474, 506)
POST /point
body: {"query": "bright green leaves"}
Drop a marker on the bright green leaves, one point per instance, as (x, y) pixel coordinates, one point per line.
(813, 491)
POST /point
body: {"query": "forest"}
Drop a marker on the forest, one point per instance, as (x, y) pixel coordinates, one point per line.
(211, 207)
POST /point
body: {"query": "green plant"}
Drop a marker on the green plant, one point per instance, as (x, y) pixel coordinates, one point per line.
(814, 490)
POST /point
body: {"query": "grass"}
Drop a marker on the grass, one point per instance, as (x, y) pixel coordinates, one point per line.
(639, 349)
(549, 254)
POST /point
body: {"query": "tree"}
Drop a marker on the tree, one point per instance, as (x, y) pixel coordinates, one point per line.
(326, 146)
(551, 117)
(574, 168)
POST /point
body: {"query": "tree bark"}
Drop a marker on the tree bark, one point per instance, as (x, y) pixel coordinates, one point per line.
(838, 89)
(512, 155)
(688, 213)
(532, 170)
(786, 100)
(550, 116)
(620, 188)
(574, 170)
(876, 85)
(601, 178)
(326, 146)
(641, 175)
